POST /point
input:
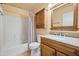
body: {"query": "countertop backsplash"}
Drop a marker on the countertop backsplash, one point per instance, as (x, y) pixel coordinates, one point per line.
(66, 33)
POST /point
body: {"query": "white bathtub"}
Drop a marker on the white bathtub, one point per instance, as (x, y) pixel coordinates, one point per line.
(13, 51)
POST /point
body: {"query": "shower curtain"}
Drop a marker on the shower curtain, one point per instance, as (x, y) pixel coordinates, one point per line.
(32, 35)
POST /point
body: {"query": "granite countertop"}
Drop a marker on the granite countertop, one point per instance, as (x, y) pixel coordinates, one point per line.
(64, 39)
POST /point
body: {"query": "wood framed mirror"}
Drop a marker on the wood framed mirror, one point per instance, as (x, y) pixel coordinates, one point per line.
(64, 16)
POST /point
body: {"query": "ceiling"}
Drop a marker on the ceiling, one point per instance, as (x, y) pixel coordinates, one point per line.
(35, 7)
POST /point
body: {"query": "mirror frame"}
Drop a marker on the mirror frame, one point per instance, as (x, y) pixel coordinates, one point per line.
(75, 20)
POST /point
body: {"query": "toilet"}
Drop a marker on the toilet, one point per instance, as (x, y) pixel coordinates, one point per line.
(35, 47)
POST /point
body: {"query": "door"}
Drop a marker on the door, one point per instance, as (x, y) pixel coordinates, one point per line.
(39, 18)
(47, 51)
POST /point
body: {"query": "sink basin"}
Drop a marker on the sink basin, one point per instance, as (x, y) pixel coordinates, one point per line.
(60, 37)
(56, 36)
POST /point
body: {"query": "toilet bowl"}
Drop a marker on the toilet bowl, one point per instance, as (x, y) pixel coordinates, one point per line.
(35, 47)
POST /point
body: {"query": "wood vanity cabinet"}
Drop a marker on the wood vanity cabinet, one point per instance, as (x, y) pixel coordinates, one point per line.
(39, 18)
(55, 48)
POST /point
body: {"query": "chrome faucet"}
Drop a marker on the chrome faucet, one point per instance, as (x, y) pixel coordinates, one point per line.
(60, 34)
(63, 34)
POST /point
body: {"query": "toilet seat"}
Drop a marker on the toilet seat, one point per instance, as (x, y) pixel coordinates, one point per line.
(34, 45)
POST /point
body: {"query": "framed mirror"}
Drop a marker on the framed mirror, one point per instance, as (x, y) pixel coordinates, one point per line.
(64, 16)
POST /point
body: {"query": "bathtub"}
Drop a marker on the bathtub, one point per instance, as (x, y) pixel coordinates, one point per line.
(14, 50)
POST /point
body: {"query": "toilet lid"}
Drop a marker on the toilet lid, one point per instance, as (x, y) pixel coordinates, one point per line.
(35, 44)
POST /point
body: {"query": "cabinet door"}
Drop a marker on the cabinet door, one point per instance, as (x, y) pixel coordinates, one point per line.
(47, 51)
(60, 54)
(39, 18)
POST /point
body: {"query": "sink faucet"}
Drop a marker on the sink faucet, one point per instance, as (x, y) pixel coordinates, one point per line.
(60, 34)
(63, 34)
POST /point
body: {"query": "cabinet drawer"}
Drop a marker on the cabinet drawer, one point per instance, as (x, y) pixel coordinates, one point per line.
(60, 54)
(59, 46)
(47, 51)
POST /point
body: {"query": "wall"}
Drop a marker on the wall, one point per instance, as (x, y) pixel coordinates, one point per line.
(14, 11)
(74, 34)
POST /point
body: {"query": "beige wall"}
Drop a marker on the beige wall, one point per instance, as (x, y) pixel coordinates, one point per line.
(14, 11)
